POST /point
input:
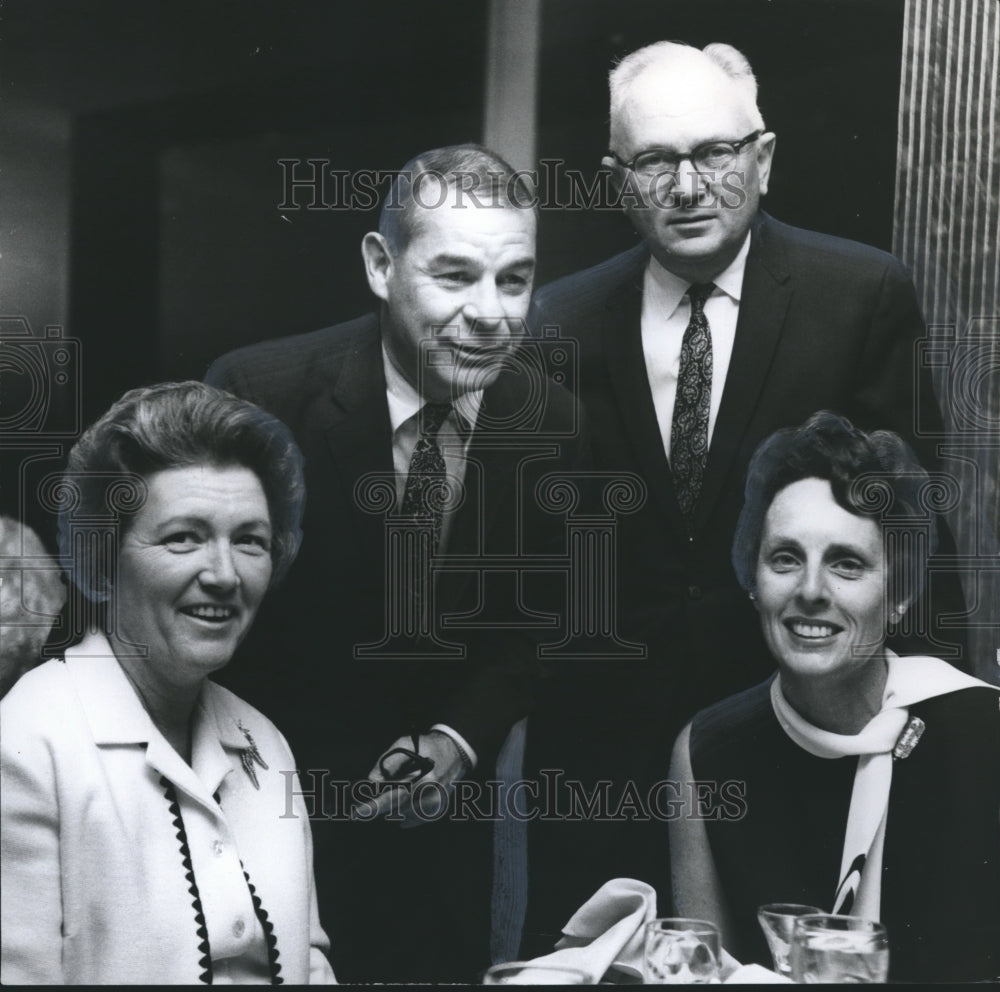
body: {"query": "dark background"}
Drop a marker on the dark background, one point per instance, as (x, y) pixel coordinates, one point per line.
(140, 142)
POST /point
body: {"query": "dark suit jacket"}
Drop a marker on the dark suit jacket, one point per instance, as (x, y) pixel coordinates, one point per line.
(340, 711)
(823, 324)
(299, 662)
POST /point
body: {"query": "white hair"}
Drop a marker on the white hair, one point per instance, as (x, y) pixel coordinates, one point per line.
(730, 60)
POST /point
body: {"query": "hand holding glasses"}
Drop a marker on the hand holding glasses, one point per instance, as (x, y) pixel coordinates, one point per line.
(415, 764)
(414, 767)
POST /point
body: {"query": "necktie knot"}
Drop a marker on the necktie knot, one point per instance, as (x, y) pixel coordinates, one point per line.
(698, 292)
(432, 417)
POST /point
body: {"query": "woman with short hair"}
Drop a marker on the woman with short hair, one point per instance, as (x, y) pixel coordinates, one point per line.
(151, 821)
(871, 782)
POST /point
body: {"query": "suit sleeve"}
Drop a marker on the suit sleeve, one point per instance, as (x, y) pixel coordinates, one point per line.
(31, 894)
(894, 391)
(226, 373)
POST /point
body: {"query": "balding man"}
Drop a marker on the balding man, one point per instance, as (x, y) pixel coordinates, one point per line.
(722, 326)
(420, 431)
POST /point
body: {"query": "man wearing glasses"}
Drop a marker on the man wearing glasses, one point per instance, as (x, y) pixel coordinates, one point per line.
(722, 326)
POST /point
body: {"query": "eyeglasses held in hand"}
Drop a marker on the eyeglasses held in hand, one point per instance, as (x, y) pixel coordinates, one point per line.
(415, 764)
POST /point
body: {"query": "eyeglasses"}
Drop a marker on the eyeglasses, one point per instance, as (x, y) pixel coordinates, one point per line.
(712, 156)
(415, 762)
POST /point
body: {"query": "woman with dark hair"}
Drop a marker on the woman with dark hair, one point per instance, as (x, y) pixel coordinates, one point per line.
(151, 822)
(871, 783)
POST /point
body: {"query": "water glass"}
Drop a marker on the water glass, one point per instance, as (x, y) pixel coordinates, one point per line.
(526, 973)
(679, 951)
(839, 949)
(776, 920)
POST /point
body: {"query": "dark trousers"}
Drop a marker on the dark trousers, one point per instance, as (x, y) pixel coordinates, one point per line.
(405, 905)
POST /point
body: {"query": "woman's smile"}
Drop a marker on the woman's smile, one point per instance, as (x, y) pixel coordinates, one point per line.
(820, 583)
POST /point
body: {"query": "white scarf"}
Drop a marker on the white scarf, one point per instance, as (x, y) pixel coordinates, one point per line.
(888, 735)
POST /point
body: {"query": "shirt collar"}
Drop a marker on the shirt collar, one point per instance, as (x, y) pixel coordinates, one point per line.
(116, 716)
(113, 710)
(667, 290)
(405, 402)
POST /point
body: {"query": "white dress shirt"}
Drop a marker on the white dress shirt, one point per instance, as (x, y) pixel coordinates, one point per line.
(665, 315)
(405, 404)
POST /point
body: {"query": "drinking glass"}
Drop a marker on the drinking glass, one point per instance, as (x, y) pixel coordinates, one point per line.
(526, 973)
(679, 951)
(839, 949)
(776, 920)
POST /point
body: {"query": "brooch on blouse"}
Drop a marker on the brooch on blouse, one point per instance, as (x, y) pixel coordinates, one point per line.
(249, 755)
(907, 740)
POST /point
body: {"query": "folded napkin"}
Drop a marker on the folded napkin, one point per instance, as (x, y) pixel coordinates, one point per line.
(606, 933)
(604, 939)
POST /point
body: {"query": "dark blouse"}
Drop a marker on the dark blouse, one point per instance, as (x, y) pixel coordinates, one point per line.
(941, 860)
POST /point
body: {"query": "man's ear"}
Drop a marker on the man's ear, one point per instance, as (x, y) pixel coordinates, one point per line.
(95, 587)
(765, 155)
(378, 263)
(616, 171)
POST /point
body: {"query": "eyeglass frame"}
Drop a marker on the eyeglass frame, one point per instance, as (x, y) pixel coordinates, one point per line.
(737, 147)
(415, 762)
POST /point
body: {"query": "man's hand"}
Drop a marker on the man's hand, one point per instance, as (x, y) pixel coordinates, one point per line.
(429, 793)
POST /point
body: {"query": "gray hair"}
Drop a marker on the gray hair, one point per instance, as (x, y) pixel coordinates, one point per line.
(730, 60)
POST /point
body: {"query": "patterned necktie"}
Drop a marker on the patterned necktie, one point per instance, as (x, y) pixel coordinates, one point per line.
(425, 493)
(689, 428)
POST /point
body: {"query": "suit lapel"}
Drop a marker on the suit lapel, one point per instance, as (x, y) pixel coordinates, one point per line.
(622, 331)
(358, 432)
(766, 293)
